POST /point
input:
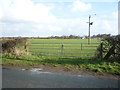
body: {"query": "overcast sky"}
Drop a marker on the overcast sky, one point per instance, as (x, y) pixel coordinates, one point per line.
(57, 17)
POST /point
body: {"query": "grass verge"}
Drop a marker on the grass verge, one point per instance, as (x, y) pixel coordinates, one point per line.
(94, 65)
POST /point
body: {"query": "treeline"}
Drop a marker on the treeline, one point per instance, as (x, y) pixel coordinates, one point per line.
(98, 36)
(24, 37)
(101, 36)
(51, 37)
(81, 37)
(66, 37)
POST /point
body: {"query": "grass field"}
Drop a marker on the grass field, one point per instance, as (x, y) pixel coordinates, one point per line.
(64, 47)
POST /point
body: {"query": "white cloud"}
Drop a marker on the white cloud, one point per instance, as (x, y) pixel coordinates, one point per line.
(79, 6)
(115, 15)
(106, 24)
(1, 13)
(74, 0)
(78, 26)
(25, 18)
(54, 28)
(26, 10)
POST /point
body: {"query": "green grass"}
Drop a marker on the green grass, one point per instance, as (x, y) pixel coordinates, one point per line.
(71, 47)
(94, 65)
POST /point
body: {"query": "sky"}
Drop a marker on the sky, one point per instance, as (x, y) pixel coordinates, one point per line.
(43, 18)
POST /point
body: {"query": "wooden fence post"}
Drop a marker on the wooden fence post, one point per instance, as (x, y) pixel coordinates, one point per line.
(62, 48)
(26, 47)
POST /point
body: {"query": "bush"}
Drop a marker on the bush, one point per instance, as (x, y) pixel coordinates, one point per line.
(11, 46)
(110, 48)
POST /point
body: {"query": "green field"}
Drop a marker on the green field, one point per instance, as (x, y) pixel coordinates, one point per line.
(63, 47)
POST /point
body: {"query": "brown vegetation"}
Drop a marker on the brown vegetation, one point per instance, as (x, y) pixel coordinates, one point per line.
(14, 46)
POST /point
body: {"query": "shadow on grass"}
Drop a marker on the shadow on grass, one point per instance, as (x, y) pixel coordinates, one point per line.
(62, 61)
(71, 61)
(96, 65)
(22, 59)
(53, 60)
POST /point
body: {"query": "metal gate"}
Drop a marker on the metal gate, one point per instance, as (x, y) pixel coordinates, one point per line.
(83, 50)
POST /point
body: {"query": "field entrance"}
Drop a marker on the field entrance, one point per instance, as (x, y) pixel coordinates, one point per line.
(66, 48)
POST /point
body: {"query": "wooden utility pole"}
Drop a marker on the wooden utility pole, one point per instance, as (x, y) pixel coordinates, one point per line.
(90, 23)
(89, 31)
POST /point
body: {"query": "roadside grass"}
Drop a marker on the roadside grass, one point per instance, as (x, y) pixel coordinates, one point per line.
(94, 65)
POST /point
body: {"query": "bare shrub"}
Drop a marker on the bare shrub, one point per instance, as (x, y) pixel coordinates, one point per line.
(12, 46)
(21, 52)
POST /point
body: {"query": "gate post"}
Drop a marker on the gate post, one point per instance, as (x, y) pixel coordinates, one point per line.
(26, 47)
(62, 49)
(101, 50)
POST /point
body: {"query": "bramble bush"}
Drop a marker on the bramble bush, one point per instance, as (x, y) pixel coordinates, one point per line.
(110, 48)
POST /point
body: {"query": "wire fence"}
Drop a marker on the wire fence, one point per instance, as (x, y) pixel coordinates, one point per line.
(83, 50)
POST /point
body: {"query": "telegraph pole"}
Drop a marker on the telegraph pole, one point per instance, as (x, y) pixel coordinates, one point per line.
(90, 23)
(89, 30)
